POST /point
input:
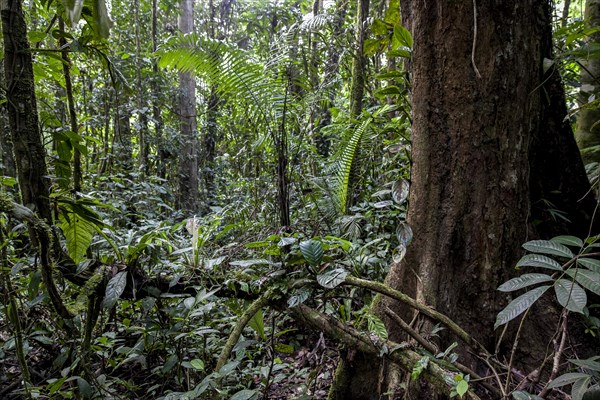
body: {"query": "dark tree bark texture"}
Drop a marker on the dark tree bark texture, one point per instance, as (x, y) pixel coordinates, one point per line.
(7, 159)
(21, 104)
(488, 147)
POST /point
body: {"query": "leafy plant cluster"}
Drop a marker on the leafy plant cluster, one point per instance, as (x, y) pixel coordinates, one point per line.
(569, 267)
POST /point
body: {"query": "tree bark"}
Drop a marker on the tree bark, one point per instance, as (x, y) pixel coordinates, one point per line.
(29, 152)
(163, 154)
(71, 105)
(486, 124)
(588, 131)
(7, 160)
(144, 147)
(359, 61)
(188, 170)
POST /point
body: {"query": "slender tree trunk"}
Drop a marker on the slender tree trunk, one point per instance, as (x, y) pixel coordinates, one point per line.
(7, 160)
(588, 129)
(143, 129)
(71, 105)
(188, 171)
(122, 131)
(209, 143)
(359, 61)
(212, 111)
(156, 113)
(484, 128)
(322, 142)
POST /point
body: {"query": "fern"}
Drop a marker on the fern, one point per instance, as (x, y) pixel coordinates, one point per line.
(348, 164)
(237, 76)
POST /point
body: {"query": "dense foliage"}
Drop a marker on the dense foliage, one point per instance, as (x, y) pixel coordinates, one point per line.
(296, 195)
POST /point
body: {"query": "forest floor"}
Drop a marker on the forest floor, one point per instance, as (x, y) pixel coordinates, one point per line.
(308, 372)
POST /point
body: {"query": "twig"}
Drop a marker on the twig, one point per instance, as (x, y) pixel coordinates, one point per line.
(272, 363)
(474, 39)
(432, 349)
(558, 354)
(514, 349)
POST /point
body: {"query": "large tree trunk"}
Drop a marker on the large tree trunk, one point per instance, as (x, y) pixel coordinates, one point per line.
(21, 103)
(588, 132)
(485, 124)
(188, 171)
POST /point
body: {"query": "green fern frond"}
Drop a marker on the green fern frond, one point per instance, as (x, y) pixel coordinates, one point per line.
(348, 164)
(236, 75)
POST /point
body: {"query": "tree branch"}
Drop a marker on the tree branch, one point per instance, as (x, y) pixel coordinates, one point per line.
(353, 338)
(427, 310)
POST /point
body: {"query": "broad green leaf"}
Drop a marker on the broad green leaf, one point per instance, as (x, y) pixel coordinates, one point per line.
(568, 240)
(244, 394)
(402, 52)
(523, 281)
(372, 46)
(548, 247)
(114, 289)
(519, 305)
(570, 295)
(383, 204)
(588, 279)
(538, 260)
(189, 302)
(228, 368)
(400, 191)
(520, 395)
(589, 363)
(377, 326)
(343, 243)
(286, 241)
(389, 91)
(404, 234)
(392, 14)
(379, 27)
(419, 367)
(198, 364)
(84, 388)
(462, 387)
(249, 263)
(312, 251)
(579, 388)
(299, 297)
(567, 379)
(258, 324)
(589, 263)
(402, 36)
(78, 233)
(387, 76)
(332, 278)
(253, 245)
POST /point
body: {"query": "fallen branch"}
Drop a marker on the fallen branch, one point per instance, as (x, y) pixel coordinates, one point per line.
(353, 338)
(235, 334)
(427, 310)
